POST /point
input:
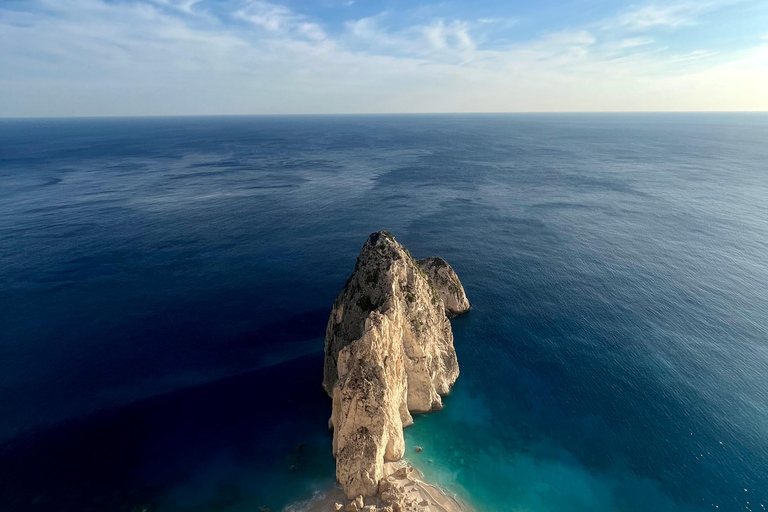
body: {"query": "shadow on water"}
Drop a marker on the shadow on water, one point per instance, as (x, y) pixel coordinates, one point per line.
(304, 326)
(264, 423)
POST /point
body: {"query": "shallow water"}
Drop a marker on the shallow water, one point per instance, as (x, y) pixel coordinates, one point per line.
(165, 285)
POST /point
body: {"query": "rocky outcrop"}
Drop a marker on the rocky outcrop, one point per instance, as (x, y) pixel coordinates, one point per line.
(447, 283)
(401, 490)
(388, 352)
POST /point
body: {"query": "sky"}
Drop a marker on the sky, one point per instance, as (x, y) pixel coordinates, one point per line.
(199, 57)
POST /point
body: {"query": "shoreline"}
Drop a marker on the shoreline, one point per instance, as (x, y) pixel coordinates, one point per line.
(428, 497)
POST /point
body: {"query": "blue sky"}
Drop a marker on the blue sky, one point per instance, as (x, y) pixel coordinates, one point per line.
(176, 57)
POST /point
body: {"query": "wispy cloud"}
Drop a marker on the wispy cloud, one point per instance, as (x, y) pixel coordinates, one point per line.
(442, 36)
(504, 21)
(95, 57)
(437, 40)
(666, 15)
(186, 6)
(654, 16)
(633, 42)
(279, 19)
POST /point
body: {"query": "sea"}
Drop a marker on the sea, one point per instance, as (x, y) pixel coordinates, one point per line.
(165, 285)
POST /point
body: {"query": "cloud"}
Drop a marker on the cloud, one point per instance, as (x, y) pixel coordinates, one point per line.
(442, 36)
(504, 22)
(93, 57)
(279, 19)
(634, 42)
(654, 16)
(186, 6)
(439, 40)
(274, 18)
(669, 15)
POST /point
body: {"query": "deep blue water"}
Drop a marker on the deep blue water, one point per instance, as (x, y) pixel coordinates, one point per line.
(165, 283)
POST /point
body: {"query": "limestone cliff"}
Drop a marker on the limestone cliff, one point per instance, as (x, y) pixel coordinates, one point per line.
(388, 352)
(447, 283)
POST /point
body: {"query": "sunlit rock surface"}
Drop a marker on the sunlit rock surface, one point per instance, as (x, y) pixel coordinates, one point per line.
(388, 352)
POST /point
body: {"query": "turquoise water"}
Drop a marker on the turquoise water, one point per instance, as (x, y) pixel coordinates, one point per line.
(166, 283)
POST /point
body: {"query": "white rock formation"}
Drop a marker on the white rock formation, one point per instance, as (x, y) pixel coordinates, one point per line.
(447, 283)
(388, 350)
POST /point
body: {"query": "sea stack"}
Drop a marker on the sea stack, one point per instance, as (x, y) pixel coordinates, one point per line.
(388, 352)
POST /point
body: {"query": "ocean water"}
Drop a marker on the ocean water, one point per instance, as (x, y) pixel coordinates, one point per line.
(165, 283)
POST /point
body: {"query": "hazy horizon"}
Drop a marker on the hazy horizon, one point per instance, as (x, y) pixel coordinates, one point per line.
(363, 114)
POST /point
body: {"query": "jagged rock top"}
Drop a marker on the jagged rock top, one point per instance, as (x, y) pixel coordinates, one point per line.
(386, 270)
(388, 352)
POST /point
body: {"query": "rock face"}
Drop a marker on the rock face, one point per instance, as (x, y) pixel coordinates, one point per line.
(388, 352)
(447, 283)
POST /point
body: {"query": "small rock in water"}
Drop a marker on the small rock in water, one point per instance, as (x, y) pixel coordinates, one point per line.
(419, 449)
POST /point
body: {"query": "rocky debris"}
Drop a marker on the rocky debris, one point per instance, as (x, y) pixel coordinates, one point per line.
(397, 495)
(403, 472)
(393, 496)
(355, 505)
(447, 283)
(401, 490)
(388, 352)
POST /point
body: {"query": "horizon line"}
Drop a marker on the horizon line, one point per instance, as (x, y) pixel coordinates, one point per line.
(352, 114)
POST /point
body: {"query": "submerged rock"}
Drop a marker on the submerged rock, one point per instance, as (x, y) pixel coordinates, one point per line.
(388, 352)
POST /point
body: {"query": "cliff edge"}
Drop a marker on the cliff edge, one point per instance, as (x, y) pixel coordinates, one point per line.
(388, 352)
